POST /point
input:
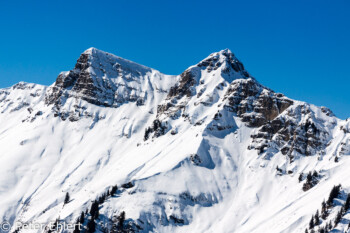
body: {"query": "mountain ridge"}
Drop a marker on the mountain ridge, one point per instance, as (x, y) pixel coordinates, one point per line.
(185, 150)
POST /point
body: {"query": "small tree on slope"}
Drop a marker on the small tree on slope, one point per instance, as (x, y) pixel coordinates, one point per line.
(67, 198)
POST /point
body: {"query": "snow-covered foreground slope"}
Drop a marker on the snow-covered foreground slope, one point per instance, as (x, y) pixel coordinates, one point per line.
(210, 150)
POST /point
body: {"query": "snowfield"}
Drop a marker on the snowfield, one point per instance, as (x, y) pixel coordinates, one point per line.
(210, 150)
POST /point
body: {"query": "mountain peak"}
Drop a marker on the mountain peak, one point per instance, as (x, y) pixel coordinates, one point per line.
(93, 50)
(226, 62)
(225, 52)
(93, 54)
(103, 79)
(100, 59)
(222, 55)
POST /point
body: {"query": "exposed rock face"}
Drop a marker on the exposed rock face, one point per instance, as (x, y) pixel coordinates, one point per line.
(184, 89)
(254, 103)
(100, 78)
(344, 147)
(346, 127)
(294, 131)
(21, 95)
(327, 111)
(298, 130)
(23, 86)
(81, 82)
(220, 64)
(187, 81)
(158, 129)
(3, 94)
(225, 60)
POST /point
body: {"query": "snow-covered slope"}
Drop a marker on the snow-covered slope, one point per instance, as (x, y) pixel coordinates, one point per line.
(210, 150)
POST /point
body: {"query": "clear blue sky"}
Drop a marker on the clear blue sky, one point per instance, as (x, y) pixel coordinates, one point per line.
(300, 48)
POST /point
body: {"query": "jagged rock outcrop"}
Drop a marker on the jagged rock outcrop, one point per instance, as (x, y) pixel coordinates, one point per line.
(20, 96)
(297, 131)
(82, 82)
(255, 104)
(220, 64)
(99, 78)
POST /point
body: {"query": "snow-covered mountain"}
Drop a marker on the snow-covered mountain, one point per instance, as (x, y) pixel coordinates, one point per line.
(209, 150)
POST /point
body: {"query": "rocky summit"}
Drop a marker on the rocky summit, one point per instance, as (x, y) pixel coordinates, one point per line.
(120, 147)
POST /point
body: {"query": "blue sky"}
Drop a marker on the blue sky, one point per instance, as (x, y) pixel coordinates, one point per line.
(299, 48)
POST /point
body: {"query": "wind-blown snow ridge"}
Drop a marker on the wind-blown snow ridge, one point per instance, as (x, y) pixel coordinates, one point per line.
(96, 53)
(209, 150)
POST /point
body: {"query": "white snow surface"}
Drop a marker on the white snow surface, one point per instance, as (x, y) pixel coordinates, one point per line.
(232, 189)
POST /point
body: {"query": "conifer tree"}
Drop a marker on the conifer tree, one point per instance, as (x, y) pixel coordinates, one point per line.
(300, 177)
(312, 224)
(333, 194)
(53, 226)
(347, 203)
(114, 190)
(82, 217)
(102, 199)
(342, 210)
(121, 219)
(94, 208)
(317, 218)
(97, 214)
(309, 177)
(77, 226)
(91, 226)
(337, 218)
(324, 208)
(67, 198)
